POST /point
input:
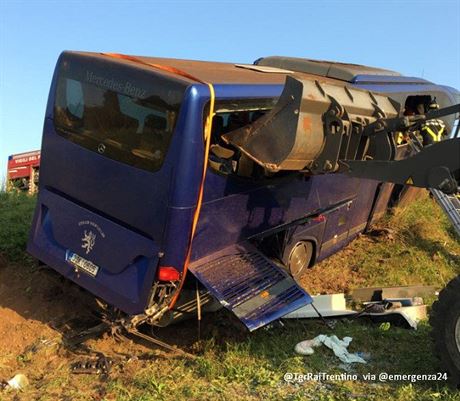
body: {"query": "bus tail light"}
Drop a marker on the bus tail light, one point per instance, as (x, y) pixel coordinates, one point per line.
(168, 273)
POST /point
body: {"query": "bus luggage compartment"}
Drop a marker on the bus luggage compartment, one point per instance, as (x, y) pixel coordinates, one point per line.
(111, 261)
(250, 285)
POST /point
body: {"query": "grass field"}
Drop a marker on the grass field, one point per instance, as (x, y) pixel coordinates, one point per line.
(415, 246)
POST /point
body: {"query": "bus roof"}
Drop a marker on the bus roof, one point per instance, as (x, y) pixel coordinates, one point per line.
(332, 69)
(268, 70)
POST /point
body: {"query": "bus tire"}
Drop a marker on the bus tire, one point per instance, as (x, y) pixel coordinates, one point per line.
(297, 257)
(445, 323)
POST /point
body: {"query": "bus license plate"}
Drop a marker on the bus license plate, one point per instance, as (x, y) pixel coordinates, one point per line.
(81, 263)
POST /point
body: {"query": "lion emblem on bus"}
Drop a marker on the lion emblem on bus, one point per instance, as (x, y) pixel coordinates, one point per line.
(88, 241)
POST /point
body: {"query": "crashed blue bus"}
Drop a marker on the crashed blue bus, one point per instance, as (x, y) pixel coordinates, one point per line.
(140, 208)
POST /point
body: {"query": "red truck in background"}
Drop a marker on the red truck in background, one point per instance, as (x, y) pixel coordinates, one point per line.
(23, 172)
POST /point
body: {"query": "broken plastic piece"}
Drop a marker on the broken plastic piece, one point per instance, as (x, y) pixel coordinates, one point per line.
(334, 343)
(18, 382)
(306, 347)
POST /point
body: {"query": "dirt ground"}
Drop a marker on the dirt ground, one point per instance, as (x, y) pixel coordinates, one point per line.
(39, 310)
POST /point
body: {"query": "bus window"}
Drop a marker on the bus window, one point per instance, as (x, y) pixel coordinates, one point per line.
(232, 115)
(126, 128)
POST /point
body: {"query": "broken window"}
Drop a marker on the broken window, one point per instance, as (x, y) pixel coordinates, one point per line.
(414, 105)
(229, 116)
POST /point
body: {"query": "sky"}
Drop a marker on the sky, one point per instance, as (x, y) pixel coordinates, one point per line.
(417, 38)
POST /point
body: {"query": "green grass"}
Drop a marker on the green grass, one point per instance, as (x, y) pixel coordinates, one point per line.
(420, 248)
(16, 210)
(425, 247)
(231, 365)
(254, 369)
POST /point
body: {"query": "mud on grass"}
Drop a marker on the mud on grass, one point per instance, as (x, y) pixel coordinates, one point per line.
(37, 307)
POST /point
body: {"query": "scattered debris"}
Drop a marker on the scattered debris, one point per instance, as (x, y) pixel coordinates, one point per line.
(162, 344)
(373, 308)
(365, 355)
(382, 233)
(96, 366)
(381, 293)
(401, 311)
(86, 334)
(332, 342)
(18, 382)
(326, 305)
(340, 348)
(385, 326)
(306, 347)
(331, 323)
(405, 316)
(35, 347)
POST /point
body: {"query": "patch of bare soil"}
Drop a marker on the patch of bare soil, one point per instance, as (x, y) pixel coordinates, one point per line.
(39, 309)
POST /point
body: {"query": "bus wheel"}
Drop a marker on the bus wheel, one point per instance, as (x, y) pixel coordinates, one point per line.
(445, 321)
(297, 257)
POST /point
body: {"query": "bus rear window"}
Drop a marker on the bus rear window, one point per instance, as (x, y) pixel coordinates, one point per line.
(130, 121)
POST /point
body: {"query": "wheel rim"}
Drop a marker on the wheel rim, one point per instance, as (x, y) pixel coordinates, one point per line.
(299, 258)
(457, 334)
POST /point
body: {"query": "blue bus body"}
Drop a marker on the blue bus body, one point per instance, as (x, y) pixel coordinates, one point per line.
(142, 219)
